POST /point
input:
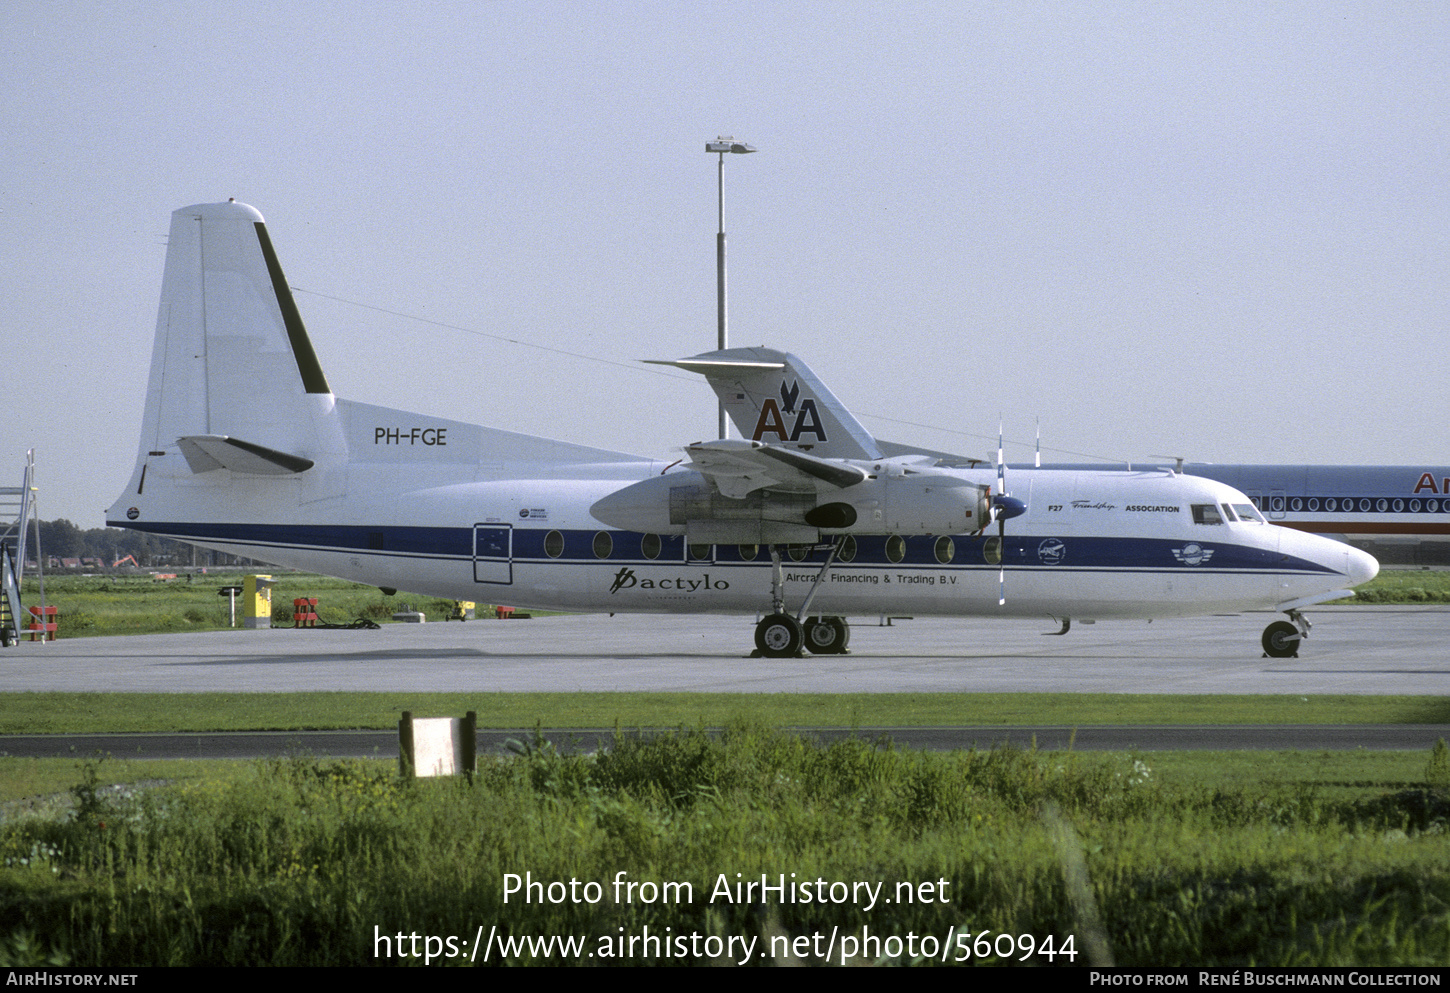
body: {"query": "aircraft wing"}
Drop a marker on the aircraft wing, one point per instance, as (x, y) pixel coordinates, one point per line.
(740, 467)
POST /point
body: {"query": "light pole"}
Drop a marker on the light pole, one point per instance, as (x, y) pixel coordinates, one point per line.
(722, 145)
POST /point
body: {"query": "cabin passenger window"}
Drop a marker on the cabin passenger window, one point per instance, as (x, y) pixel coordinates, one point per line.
(945, 550)
(603, 545)
(553, 544)
(649, 546)
(895, 548)
(1206, 513)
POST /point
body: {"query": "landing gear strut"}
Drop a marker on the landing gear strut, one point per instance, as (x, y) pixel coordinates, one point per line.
(781, 635)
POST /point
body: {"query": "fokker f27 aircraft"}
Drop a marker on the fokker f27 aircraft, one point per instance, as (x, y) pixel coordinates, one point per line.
(245, 449)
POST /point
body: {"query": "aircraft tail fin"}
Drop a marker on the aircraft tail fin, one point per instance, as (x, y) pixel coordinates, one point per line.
(232, 359)
(774, 397)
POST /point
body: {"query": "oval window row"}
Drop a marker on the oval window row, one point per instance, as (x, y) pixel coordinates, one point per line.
(650, 546)
(1362, 505)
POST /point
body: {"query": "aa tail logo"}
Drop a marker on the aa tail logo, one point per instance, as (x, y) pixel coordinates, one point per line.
(772, 418)
(788, 396)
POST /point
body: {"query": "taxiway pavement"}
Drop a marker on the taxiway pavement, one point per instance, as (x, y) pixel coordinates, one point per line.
(1355, 650)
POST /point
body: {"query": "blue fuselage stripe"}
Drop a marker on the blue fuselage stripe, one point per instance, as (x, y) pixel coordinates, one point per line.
(529, 547)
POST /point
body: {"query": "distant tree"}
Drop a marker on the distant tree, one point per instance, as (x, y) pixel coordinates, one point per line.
(61, 539)
(101, 543)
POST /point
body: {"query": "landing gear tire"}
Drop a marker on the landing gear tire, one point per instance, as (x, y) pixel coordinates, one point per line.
(779, 636)
(1281, 640)
(827, 635)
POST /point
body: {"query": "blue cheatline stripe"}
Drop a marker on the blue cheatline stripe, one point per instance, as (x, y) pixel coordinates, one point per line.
(1025, 552)
(424, 541)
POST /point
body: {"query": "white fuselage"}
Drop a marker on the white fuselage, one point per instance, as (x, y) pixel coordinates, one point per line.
(1091, 545)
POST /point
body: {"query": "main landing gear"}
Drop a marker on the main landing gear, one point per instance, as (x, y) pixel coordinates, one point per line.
(1281, 639)
(780, 635)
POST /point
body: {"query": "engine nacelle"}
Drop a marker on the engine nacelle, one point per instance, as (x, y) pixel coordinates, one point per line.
(913, 502)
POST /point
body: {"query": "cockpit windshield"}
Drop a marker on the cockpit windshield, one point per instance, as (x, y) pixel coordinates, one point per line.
(1248, 512)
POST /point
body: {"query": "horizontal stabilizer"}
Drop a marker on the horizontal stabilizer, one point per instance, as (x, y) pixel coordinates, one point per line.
(717, 367)
(892, 449)
(206, 452)
(739, 467)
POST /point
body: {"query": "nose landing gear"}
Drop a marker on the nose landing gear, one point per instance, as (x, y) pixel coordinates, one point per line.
(1281, 639)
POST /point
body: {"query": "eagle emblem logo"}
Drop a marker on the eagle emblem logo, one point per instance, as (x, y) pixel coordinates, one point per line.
(1192, 554)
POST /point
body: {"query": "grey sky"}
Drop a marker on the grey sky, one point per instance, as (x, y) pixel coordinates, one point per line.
(1216, 230)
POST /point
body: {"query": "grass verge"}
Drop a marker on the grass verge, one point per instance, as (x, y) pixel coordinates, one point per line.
(1116, 858)
(82, 713)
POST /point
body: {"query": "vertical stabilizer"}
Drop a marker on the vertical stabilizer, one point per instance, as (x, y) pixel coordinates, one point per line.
(774, 397)
(232, 357)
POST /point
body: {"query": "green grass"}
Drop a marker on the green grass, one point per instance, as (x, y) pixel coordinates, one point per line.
(1201, 860)
(27, 778)
(140, 604)
(1409, 586)
(1341, 775)
(94, 713)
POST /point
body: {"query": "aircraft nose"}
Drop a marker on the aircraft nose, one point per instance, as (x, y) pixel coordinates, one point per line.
(1360, 566)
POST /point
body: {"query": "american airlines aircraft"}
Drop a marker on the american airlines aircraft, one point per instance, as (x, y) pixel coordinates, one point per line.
(1384, 503)
(1367, 501)
(244, 448)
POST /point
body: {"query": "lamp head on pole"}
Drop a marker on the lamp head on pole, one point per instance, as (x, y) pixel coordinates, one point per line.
(727, 144)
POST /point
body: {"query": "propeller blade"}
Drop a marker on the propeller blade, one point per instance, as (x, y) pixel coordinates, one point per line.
(1001, 468)
(1002, 562)
(997, 507)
